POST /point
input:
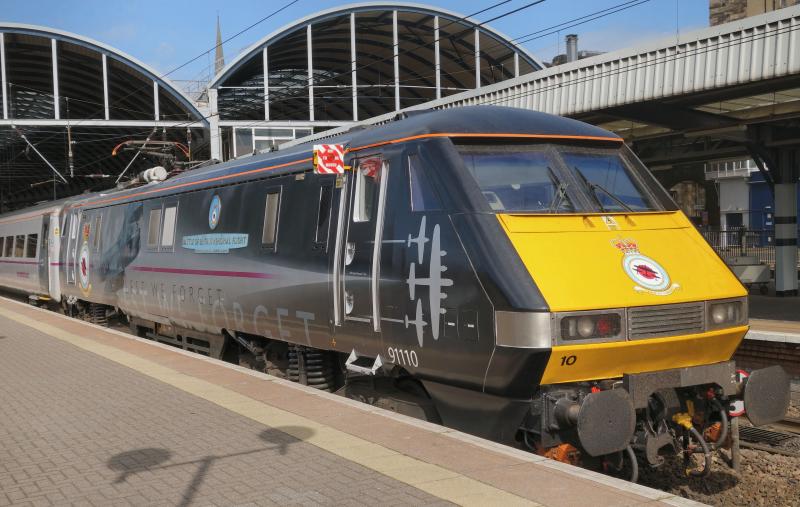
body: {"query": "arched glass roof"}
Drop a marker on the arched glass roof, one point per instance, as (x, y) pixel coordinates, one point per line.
(48, 71)
(360, 61)
(66, 101)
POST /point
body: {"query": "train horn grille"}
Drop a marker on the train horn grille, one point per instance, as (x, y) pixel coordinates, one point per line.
(665, 320)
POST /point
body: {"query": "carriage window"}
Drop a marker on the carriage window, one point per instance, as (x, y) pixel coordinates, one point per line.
(30, 247)
(366, 193)
(324, 213)
(153, 228)
(2, 249)
(423, 196)
(19, 246)
(168, 231)
(9, 246)
(271, 212)
(97, 231)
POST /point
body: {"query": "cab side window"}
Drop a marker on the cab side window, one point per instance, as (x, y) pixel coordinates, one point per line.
(368, 177)
(272, 205)
(423, 196)
(98, 222)
(324, 214)
(168, 229)
(153, 228)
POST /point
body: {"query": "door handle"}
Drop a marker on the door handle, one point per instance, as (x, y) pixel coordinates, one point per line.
(348, 302)
(349, 253)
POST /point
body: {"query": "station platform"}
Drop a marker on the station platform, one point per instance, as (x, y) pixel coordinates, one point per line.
(92, 416)
(774, 337)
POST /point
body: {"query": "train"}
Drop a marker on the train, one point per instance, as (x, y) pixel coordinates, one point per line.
(508, 273)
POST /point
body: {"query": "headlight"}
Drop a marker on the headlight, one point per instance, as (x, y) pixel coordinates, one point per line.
(605, 326)
(727, 313)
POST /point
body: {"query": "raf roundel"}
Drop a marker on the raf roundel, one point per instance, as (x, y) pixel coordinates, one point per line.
(213, 212)
(645, 271)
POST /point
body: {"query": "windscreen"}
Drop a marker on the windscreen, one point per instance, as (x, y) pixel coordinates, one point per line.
(609, 181)
(551, 178)
(513, 180)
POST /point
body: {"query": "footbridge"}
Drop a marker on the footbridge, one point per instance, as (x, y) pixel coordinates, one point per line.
(724, 92)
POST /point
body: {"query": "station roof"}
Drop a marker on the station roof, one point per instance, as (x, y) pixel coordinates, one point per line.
(363, 60)
(65, 93)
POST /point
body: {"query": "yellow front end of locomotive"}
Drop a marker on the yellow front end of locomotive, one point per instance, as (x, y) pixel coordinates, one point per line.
(620, 261)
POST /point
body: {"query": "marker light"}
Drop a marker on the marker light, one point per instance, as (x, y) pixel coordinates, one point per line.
(727, 313)
(592, 326)
(585, 327)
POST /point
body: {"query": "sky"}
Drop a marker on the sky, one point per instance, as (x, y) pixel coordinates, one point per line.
(167, 33)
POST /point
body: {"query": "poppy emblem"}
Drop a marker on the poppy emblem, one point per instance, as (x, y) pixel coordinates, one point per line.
(646, 271)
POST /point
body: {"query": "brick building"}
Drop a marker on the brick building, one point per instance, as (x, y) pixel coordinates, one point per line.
(725, 11)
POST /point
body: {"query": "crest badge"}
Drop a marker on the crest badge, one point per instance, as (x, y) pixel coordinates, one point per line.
(650, 277)
(83, 269)
(213, 212)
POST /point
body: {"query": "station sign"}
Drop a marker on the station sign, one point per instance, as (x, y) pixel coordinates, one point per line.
(329, 159)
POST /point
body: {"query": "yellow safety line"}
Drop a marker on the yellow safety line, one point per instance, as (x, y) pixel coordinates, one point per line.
(432, 479)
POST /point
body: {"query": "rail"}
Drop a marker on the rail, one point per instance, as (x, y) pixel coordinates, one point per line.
(739, 242)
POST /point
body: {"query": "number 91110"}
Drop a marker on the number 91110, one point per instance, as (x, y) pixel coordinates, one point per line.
(403, 357)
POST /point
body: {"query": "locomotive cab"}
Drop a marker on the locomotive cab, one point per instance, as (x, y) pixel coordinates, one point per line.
(619, 305)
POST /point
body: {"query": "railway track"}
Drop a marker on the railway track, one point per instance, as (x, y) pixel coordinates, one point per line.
(772, 437)
(788, 425)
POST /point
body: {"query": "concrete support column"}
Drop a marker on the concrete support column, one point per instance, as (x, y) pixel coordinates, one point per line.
(213, 122)
(310, 57)
(56, 98)
(396, 47)
(3, 72)
(786, 239)
(353, 77)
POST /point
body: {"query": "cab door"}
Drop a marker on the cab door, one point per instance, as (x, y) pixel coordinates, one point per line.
(53, 254)
(361, 248)
(72, 245)
(42, 255)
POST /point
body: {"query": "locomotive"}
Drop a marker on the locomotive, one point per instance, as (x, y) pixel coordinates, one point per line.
(509, 273)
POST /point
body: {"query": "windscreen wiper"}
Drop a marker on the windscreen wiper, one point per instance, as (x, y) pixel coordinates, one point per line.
(591, 187)
(596, 186)
(561, 192)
